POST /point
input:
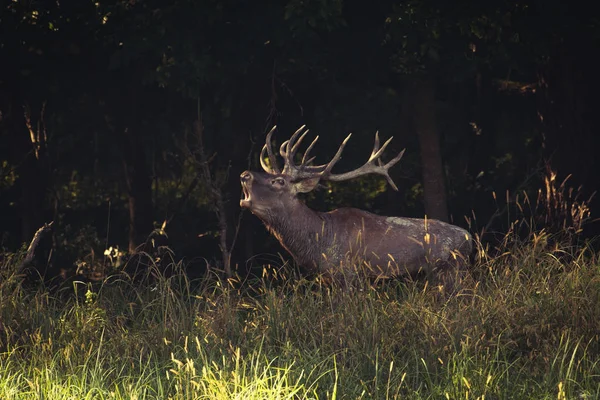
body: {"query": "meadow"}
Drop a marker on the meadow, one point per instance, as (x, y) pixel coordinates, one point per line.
(523, 324)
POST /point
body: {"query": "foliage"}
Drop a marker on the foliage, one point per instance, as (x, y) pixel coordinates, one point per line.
(8, 175)
(522, 326)
(106, 68)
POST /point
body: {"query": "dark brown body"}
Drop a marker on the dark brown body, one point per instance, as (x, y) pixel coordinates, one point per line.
(348, 240)
(386, 246)
(345, 241)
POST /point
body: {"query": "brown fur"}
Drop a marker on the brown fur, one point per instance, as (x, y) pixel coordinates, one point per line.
(348, 240)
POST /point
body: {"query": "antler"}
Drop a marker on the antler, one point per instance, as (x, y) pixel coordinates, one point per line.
(289, 148)
(368, 168)
(297, 172)
(273, 168)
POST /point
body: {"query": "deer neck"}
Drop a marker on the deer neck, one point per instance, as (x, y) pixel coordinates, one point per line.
(302, 232)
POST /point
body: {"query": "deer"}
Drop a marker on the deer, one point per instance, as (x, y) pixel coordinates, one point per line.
(347, 241)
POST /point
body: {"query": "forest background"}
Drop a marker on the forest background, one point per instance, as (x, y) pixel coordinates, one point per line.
(118, 118)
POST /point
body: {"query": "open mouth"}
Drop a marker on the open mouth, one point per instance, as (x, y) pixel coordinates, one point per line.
(245, 200)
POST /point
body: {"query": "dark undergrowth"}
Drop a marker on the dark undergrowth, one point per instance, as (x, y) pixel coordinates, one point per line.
(524, 324)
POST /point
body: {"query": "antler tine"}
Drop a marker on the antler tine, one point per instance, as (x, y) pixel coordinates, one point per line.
(283, 148)
(389, 165)
(273, 168)
(369, 167)
(335, 158)
(377, 152)
(305, 162)
(376, 147)
(395, 160)
(263, 164)
(376, 144)
(288, 152)
(307, 169)
(298, 142)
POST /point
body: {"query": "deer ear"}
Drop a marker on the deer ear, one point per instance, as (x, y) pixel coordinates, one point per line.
(306, 185)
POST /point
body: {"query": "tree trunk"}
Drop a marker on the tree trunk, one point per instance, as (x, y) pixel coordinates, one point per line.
(139, 188)
(434, 188)
(33, 193)
(132, 130)
(34, 174)
(37, 261)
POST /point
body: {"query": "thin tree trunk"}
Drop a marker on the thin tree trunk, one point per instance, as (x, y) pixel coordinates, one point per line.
(139, 187)
(425, 123)
(33, 192)
(39, 254)
(34, 175)
(227, 231)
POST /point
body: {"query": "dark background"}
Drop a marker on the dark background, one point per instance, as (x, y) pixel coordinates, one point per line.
(98, 101)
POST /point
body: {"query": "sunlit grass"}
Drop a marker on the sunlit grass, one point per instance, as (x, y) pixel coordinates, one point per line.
(524, 325)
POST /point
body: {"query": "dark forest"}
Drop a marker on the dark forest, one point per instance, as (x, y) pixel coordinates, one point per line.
(129, 268)
(99, 101)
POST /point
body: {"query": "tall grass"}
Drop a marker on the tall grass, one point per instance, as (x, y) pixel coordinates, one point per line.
(524, 325)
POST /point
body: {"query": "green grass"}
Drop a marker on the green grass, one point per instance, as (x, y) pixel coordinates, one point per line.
(524, 325)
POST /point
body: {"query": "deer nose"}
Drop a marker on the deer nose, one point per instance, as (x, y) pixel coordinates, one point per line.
(246, 176)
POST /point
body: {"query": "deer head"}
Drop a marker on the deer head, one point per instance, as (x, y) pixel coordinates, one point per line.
(326, 242)
(277, 189)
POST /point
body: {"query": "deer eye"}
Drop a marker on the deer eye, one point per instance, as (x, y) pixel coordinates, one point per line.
(279, 181)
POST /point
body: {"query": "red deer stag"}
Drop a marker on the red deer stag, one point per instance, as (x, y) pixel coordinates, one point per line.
(346, 240)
